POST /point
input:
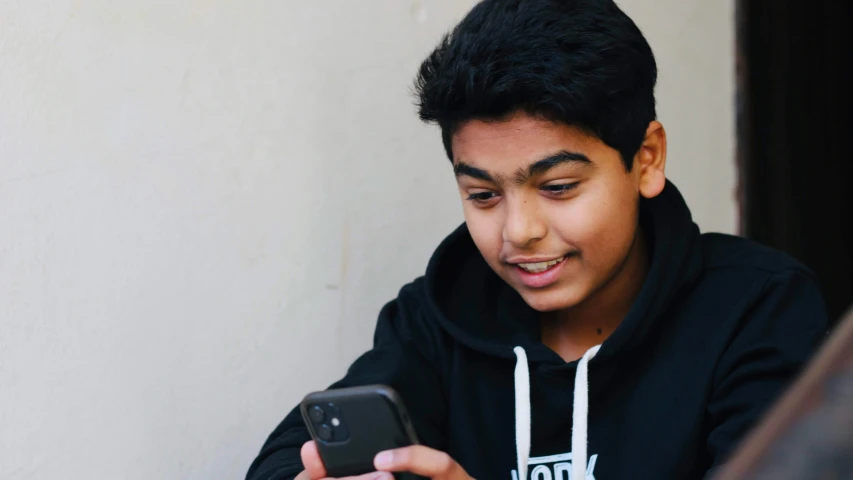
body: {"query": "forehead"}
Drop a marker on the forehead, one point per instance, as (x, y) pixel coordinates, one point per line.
(519, 140)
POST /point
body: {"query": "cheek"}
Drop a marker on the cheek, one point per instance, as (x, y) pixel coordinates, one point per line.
(486, 232)
(601, 226)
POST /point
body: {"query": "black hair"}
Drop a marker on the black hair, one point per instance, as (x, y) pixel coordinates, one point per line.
(580, 62)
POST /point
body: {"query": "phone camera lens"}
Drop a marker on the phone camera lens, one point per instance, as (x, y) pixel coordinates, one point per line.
(317, 414)
(325, 433)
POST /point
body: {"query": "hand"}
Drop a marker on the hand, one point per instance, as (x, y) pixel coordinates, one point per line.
(423, 461)
(315, 470)
(416, 459)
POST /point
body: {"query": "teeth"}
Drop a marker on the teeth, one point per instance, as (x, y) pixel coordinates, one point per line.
(540, 267)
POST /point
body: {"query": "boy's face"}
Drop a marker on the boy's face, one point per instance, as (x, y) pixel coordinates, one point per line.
(551, 209)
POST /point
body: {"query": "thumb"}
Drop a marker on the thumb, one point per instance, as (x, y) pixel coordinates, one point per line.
(311, 461)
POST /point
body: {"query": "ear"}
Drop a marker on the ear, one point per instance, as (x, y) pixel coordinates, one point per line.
(650, 161)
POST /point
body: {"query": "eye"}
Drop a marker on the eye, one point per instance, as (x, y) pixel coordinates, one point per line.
(559, 188)
(482, 198)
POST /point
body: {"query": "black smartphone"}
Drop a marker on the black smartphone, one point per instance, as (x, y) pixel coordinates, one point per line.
(352, 425)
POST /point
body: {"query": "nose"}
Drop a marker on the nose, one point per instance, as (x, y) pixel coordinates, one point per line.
(523, 225)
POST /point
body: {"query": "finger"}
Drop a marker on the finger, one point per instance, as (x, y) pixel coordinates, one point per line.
(311, 460)
(420, 460)
(303, 475)
(367, 476)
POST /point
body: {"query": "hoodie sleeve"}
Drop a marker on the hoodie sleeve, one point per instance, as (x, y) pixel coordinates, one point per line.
(402, 346)
(774, 341)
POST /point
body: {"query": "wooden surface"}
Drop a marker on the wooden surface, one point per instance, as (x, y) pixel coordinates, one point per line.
(809, 433)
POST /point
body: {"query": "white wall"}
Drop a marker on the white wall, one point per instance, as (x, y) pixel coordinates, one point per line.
(203, 205)
(693, 41)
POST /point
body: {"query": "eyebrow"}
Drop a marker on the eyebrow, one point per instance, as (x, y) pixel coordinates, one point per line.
(463, 169)
(522, 175)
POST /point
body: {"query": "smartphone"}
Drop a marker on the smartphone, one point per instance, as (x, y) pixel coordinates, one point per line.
(352, 425)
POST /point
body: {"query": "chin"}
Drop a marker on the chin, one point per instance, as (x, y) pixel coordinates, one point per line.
(551, 300)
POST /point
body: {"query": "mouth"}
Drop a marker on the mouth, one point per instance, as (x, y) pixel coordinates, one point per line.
(540, 267)
(541, 274)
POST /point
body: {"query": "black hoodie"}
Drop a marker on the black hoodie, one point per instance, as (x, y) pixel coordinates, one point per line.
(719, 328)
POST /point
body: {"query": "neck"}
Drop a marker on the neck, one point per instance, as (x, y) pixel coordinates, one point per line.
(573, 331)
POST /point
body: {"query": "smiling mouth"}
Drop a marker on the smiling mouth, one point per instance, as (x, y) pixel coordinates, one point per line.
(540, 267)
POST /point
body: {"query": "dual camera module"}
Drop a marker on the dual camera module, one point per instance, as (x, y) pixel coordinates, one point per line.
(327, 423)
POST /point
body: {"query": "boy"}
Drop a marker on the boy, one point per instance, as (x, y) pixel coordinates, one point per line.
(577, 325)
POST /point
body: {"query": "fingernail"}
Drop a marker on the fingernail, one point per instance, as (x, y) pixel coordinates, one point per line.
(384, 460)
(382, 476)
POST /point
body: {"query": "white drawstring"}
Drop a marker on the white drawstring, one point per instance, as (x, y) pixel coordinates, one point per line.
(579, 417)
(522, 411)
